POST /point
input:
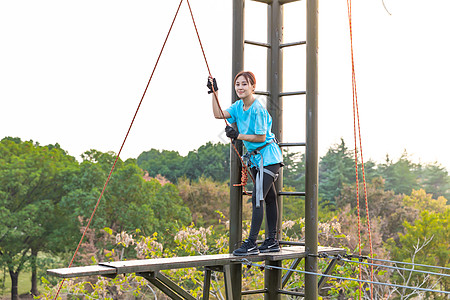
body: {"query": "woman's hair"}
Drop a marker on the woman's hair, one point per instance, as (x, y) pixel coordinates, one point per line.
(249, 76)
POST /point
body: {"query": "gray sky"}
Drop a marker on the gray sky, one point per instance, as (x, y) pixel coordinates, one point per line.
(73, 72)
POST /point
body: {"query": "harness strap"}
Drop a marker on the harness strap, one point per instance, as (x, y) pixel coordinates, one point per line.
(259, 183)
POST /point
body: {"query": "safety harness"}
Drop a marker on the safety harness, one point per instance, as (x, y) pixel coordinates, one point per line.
(259, 186)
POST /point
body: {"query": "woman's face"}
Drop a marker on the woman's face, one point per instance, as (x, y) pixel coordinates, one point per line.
(243, 88)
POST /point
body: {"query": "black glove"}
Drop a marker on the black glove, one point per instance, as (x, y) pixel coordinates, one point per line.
(210, 86)
(231, 132)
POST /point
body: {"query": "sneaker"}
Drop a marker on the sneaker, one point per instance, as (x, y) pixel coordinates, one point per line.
(269, 245)
(247, 248)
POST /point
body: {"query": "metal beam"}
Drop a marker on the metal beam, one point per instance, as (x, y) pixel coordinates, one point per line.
(257, 44)
(293, 44)
(291, 144)
(235, 274)
(288, 275)
(272, 280)
(152, 278)
(287, 1)
(206, 284)
(292, 93)
(312, 170)
(330, 268)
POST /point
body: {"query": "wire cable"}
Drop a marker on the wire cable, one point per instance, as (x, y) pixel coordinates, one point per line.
(388, 267)
(407, 263)
(249, 263)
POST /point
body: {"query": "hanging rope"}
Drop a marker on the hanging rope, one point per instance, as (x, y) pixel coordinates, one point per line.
(120, 151)
(356, 124)
(244, 166)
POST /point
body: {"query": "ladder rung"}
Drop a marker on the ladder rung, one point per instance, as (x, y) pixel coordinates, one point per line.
(291, 144)
(262, 93)
(293, 44)
(297, 194)
(265, 1)
(287, 1)
(293, 93)
(257, 44)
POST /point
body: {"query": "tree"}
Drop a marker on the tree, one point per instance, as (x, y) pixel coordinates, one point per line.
(401, 176)
(129, 202)
(432, 231)
(336, 168)
(166, 163)
(210, 160)
(435, 180)
(31, 186)
(383, 205)
(204, 197)
(294, 170)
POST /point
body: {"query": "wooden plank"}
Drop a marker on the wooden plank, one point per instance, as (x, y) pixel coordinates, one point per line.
(82, 271)
(157, 264)
(299, 251)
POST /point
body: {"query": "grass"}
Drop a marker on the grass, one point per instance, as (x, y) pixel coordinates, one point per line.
(24, 285)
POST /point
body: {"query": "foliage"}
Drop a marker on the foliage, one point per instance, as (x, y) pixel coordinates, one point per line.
(210, 160)
(385, 207)
(294, 170)
(129, 201)
(431, 233)
(31, 186)
(166, 163)
(204, 197)
(401, 176)
(336, 168)
(435, 180)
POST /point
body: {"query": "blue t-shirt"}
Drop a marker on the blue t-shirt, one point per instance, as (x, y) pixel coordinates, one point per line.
(256, 120)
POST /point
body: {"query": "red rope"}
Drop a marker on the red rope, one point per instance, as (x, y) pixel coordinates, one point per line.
(217, 99)
(356, 123)
(121, 147)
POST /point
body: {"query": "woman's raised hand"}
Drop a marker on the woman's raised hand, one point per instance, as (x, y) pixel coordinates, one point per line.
(212, 83)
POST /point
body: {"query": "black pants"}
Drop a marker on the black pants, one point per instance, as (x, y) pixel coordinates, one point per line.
(270, 199)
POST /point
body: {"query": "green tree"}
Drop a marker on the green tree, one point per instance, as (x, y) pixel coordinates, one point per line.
(336, 168)
(435, 180)
(204, 197)
(210, 160)
(166, 163)
(294, 170)
(31, 186)
(431, 235)
(401, 176)
(129, 202)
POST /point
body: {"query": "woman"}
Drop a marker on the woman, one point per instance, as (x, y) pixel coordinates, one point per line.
(264, 157)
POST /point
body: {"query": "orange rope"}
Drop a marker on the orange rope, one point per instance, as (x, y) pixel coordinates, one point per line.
(356, 123)
(118, 154)
(244, 167)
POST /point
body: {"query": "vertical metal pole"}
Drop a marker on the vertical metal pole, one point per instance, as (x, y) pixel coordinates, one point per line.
(312, 170)
(235, 168)
(275, 108)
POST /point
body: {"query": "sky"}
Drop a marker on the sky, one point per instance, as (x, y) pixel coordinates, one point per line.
(73, 73)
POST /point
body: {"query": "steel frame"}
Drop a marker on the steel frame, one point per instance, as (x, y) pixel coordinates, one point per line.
(275, 107)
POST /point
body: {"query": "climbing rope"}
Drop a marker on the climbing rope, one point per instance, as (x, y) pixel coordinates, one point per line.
(245, 169)
(244, 166)
(121, 147)
(356, 124)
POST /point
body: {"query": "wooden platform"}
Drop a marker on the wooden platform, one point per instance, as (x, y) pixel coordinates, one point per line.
(111, 269)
